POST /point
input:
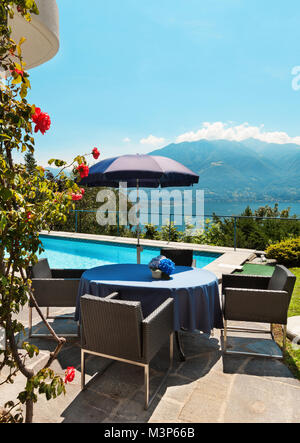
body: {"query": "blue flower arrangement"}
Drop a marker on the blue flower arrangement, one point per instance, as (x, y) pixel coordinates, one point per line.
(163, 264)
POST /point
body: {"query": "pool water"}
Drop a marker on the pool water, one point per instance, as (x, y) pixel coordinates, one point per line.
(65, 253)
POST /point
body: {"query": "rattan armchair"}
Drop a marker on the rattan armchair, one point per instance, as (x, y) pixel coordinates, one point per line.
(56, 288)
(115, 329)
(181, 257)
(258, 299)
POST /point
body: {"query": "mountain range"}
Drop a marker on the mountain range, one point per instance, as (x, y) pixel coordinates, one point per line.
(247, 170)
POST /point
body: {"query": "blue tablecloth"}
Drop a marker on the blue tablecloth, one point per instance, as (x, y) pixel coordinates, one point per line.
(195, 292)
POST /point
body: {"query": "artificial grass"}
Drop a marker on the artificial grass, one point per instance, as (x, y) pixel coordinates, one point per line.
(254, 269)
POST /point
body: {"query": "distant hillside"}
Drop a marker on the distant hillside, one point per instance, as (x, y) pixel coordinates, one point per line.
(248, 170)
(55, 171)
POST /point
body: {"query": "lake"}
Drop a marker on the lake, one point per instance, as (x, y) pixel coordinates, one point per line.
(237, 207)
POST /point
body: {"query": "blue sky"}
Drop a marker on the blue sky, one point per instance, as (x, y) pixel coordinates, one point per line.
(132, 75)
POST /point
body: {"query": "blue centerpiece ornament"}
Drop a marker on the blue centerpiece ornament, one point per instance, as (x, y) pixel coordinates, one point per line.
(162, 267)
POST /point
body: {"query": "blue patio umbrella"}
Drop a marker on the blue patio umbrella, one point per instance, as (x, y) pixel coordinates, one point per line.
(140, 171)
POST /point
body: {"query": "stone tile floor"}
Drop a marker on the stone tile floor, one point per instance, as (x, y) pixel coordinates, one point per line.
(208, 387)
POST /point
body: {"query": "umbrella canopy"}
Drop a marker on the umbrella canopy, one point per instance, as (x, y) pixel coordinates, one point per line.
(149, 171)
(144, 171)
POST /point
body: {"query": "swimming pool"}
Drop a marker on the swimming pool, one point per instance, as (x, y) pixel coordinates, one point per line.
(64, 253)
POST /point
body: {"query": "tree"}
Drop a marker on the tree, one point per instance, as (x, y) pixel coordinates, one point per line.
(30, 162)
(29, 203)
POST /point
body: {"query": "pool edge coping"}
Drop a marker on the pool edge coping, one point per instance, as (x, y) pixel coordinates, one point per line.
(229, 257)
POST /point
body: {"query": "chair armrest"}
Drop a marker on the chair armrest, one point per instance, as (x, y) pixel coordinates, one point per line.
(245, 281)
(157, 327)
(256, 305)
(113, 296)
(67, 273)
(58, 293)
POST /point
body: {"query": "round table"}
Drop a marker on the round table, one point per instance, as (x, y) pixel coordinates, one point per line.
(195, 292)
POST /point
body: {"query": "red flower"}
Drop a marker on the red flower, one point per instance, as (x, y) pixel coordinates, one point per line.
(28, 216)
(96, 153)
(42, 121)
(76, 197)
(83, 170)
(69, 374)
(17, 71)
(82, 191)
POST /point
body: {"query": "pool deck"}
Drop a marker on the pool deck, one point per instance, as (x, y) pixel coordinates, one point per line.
(209, 387)
(228, 262)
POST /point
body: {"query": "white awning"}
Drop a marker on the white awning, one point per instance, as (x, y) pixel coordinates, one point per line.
(42, 33)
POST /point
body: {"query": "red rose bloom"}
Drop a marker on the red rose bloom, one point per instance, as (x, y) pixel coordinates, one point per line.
(82, 191)
(41, 120)
(83, 170)
(76, 197)
(19, 72)
(69, 374)
(96, 153)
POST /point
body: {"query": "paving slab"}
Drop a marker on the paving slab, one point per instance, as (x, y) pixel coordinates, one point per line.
(209, 387)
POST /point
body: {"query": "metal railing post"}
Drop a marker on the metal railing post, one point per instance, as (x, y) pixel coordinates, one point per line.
(76, 221)
(235, 233)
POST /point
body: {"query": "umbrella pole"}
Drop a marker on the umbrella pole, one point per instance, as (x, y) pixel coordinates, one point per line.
(138, 247)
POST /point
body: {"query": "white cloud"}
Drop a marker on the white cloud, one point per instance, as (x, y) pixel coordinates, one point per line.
(126, 140)
(153, 141)
(222, 131)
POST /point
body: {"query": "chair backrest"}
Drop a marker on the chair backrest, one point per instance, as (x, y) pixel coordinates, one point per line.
(282, 280)
(41, 269)
(181, 257)
(112, 327)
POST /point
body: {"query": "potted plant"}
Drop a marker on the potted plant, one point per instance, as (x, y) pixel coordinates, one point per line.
(161, 267)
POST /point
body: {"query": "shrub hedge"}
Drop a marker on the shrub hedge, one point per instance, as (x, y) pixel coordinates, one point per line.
(286, 252)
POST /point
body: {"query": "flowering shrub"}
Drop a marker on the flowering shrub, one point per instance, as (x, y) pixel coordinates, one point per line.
(96, 153)
(83, 170)
(30, 203)
(69, 374)
(42, 121)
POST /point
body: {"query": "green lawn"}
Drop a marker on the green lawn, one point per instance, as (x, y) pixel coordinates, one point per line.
(295, 303)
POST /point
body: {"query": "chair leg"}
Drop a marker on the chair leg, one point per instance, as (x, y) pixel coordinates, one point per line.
(147, 386)
(179, 346)
(284, 339)
(171, 349)
(82, 370)
(31, 335)
(148, 401)
(225, 336)
(252, 354)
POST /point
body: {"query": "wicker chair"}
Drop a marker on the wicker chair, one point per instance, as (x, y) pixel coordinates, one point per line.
(257, 299)
(53, 288)
(115, 329)
(181, 257)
